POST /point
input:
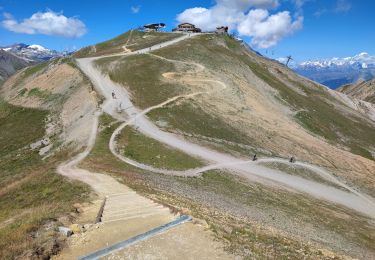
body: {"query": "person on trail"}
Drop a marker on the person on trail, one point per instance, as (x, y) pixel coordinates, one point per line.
(255, 157)
(292, 160)
(113, 95)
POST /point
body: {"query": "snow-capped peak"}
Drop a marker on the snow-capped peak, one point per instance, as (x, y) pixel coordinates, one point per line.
(362, 59)
(363, 54)
(336, 72)
(32, 52)
(37, 47)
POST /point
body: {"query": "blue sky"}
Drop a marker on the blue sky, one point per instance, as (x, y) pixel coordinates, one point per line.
(311, 29)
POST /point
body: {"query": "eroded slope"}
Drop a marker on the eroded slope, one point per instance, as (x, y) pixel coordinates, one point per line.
(43, 121)
(364, 90)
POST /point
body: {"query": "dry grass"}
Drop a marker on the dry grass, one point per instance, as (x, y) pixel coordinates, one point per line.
(146, 85)
(143, 149)
(31, 193)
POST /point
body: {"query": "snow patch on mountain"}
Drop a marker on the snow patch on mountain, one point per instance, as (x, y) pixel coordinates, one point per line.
(363, 59)
(32, 52)
(37, 47)
(336, 72)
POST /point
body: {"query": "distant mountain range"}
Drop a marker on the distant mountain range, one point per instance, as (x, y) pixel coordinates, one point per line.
(33, 52)
(20, 55)
(10, 63)
(338, 71)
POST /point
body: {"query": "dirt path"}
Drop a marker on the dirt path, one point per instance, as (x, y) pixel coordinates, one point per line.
(127, 214)
(134, 116)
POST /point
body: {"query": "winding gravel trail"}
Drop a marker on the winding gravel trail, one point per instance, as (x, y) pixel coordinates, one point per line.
(352, 199)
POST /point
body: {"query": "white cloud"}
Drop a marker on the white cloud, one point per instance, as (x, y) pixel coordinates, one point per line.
(209, 19)
(342, 6)
(7, 15)
(135, 9)
(48, 23)
(320, 12)
(248, 17)
(267, 30)
(242, 5)
(299, 6)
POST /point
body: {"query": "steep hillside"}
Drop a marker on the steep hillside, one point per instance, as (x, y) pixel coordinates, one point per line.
(199, 108)
(265, 105)
(9, 64)
(42, 123)
(364, 90)
(219, 95)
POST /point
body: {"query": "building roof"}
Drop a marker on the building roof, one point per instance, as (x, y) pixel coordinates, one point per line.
(186, 24)
(154, 25)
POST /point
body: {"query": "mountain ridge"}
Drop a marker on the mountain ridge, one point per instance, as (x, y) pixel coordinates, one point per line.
(21, 55)
(10, 63)
(336, 72)
(33, 52)
(362, 90)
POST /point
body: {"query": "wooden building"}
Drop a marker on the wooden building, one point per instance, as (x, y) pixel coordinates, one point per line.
(187, 27)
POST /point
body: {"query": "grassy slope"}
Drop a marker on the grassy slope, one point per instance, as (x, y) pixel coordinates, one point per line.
(192, 119)
(316, 110)
(226, 203)
(31, 192)
(320, 117)
(148, 89)
(142, 73)
(34, 69)
(317, 114)
(138, 40)
(145, 150)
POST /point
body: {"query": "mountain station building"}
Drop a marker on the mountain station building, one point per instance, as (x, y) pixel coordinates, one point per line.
(187, 27)
(153, 27)
(222, 30)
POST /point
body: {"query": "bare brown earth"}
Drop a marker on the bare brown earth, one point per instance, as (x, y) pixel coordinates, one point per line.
(34, 200)
(363, 90)
(60, 88)
(192, 241)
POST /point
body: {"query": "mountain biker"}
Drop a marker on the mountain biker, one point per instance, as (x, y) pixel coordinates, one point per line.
(292, 159)
(255, 157)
